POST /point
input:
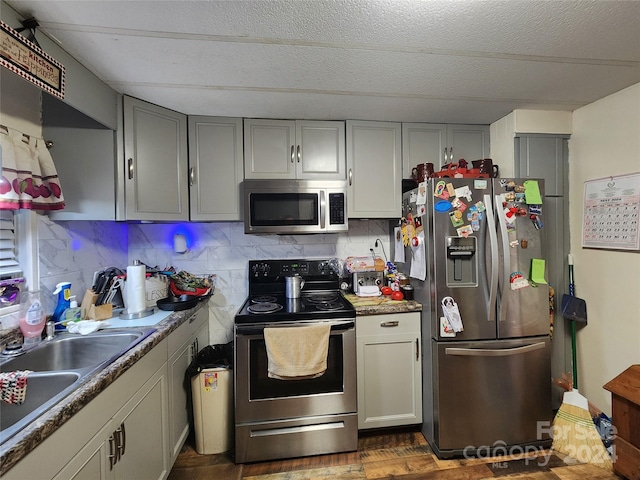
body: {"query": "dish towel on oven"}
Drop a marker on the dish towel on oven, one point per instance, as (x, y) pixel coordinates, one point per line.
(295, 353)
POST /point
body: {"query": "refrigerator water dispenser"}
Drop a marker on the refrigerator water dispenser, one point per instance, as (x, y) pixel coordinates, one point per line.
(462, 262)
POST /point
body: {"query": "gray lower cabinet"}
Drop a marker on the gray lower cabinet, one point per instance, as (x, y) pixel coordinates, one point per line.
(215, 168)
(135, 427)
(156, 162)
(389, 370)
(132, 444)
(184, 344)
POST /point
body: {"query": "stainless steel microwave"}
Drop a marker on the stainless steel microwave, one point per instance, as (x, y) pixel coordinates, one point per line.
(295, 206)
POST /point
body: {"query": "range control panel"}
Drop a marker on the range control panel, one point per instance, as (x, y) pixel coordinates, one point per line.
(278, 268)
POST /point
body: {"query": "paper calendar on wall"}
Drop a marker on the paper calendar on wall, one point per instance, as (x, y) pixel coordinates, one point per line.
(611, 217)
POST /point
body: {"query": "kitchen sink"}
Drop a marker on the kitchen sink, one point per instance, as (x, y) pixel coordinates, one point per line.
(72, 352)
(43, 391)
(59, 367)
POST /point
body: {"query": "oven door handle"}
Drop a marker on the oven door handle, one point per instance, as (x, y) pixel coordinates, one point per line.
(259, 329)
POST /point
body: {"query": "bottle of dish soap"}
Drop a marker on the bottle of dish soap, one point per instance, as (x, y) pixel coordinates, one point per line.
(63, 290)
(73, 313)
(32, 319)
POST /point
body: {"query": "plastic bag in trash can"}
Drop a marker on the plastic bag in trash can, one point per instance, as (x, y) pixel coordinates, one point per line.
(212, 356)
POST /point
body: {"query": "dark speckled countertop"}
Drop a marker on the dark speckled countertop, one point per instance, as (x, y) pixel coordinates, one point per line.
(16, 447)
(382, 305)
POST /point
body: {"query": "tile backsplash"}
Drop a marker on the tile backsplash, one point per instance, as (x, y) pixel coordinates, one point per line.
(73, 250)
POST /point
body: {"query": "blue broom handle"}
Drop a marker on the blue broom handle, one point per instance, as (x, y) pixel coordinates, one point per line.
(574, 355)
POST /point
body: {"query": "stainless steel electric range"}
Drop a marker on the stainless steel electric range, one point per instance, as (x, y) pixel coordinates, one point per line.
(292, 418)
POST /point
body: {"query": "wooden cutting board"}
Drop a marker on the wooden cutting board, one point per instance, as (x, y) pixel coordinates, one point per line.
(357, 301)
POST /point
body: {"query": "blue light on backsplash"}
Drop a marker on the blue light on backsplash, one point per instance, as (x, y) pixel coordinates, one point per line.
(182, 229)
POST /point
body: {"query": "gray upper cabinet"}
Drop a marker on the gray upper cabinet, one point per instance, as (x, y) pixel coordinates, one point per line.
(542, 156)
(156, 162)
(441, 144)
(215, 168)
(470, 142)
(374, 166)
(546, 156)
(422, 143)
(84, 153)
(279, 149)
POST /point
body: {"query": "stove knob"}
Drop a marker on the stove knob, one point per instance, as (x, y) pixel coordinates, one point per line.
(361, 282)
(378, 281)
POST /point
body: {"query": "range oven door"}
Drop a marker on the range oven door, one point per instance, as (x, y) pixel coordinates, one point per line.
(260, 398)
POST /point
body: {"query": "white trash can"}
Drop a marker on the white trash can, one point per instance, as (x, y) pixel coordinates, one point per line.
(212, 391)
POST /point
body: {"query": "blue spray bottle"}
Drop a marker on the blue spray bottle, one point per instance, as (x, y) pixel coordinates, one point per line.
(63, 290)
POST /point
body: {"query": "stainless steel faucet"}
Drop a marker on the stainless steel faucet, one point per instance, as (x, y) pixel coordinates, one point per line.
(51, 330)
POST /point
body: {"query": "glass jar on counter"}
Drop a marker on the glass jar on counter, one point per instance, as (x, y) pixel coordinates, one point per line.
(407, 291)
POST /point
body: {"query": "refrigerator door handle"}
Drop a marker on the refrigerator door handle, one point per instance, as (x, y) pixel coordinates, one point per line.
(493, 243)
(493, 352)
(504, 236)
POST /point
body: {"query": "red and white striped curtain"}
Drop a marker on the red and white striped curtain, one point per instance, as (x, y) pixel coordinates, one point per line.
(29, 178)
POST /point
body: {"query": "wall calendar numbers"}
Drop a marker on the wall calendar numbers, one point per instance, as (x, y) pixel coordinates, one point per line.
(611, 217)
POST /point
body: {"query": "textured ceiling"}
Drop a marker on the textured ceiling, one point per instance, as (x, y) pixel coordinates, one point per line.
(423, 61)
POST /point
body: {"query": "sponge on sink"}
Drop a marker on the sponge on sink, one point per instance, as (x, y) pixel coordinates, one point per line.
(13, 386)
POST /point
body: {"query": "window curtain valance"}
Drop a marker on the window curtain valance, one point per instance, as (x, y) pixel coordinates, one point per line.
(29, 178)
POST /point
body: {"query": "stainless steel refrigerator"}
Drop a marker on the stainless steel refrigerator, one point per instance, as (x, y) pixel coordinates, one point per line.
(486, 387)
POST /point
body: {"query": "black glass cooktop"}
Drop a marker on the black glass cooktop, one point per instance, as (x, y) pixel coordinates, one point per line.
(310, 305)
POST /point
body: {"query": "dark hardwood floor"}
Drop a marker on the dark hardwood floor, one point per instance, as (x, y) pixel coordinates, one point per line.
(386, 455)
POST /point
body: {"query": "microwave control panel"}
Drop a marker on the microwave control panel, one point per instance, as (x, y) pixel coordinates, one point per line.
(336, 209)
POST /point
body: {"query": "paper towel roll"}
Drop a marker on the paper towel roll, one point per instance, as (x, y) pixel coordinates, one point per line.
(135, 287)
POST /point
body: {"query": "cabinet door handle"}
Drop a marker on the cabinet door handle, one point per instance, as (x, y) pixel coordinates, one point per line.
(192, 352)
(445, 156)
(191, 176)
(450, 154)
(112, 456)
(116, 440)
(121, 439)
(130, 168)
(292, 154)
(393, 323)
(298, 153)
(417, 349)
(350, 177)
(124, 438)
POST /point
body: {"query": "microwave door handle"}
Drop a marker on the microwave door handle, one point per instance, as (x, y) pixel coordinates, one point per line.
(323, 209)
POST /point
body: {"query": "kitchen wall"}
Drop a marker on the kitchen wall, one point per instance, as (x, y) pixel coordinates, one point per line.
(605, 142)
(73, 250)
(224, 249)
